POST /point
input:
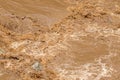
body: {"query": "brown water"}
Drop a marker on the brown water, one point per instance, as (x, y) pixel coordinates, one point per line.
(48, 11)
(80, 44)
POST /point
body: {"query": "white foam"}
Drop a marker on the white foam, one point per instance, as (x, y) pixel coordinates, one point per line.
(17, 44)
(90, 71)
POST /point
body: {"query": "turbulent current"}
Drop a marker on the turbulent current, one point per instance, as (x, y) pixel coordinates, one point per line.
(59, 39)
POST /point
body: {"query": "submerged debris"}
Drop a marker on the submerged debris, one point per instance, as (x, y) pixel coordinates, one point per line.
(2, 51)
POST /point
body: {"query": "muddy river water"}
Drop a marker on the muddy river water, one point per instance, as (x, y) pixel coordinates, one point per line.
(59, 39)
(48, 11)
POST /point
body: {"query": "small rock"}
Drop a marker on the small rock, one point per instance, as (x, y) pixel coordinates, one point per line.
(36, 66)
